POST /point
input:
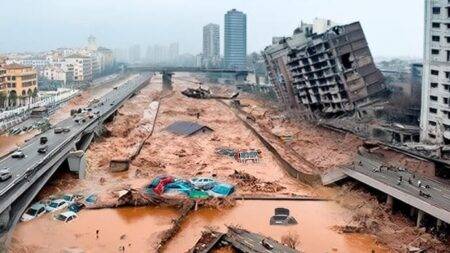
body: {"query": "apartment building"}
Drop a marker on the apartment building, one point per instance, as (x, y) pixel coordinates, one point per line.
(82, 67)
(435, 108)
(235, 40)
(211, 45)
(20, 83)
(328, 73)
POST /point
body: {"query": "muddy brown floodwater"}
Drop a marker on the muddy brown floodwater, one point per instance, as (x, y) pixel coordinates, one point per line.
(314, 228)
(136, 229)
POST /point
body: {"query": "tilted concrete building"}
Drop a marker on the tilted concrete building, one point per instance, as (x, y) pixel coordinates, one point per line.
(331, 73)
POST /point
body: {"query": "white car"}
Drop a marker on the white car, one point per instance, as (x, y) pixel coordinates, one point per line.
(36, 210)
(203, 183)
(56, 205)
(5, 174)
(66, 216)
(70, 198)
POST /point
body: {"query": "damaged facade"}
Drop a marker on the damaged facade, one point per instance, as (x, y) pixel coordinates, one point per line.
(324, 73)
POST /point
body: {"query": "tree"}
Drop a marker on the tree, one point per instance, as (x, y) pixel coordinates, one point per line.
(3, 98)
(12, 98)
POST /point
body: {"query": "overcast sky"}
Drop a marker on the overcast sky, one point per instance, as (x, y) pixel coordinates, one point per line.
(392, 27)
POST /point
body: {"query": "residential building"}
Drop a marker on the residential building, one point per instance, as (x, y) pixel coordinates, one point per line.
(82, 67)
(211, 45)
(328, 73)
(20, 83)
(92, 43)
(435, 108)
(107, 60)
(58, 74)
(135, 53)
(173, 51)
(235, 46)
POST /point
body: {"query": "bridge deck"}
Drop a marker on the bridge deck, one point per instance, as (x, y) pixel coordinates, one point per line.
(387, 181)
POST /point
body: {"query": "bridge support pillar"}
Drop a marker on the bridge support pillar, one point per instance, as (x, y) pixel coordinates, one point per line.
(439, 224)
(390, 202)
(4, 219)
(412, 211)
(420, 214)
(77, 162)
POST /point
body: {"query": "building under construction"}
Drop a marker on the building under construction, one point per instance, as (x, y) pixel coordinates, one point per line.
(326, 70)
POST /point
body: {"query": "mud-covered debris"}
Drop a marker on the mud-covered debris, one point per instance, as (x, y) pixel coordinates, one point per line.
(225, 151)
(240, 240)
(248, 182)
(246, 155)
(186, 128)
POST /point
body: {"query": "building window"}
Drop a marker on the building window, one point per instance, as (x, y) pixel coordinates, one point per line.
(432, 136)
(447, 74)
(436, 38)
(433, 110)
(436, 10)
(434, 72)
(432, 123)
(433, 98)
(446, 87)
(436, 25)
(445, 100)
(434, 85)
(434, 51)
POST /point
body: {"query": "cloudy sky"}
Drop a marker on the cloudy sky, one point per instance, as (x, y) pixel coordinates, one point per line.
(392, 27)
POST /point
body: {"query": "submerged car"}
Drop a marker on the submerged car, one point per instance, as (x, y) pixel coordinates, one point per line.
(56, 205)
(282, 217)
(76, 207)
(179, 186)
(5, 174)
(66, 216)
(18, 154)
(33, 212)
(221, 190)
(91, 199)
(203, 183)
(71, 198)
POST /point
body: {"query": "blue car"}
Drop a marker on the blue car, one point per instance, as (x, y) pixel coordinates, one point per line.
(179, 186)
(221, 190)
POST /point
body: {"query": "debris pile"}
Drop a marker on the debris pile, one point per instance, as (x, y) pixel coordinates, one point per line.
(238, 240)
(250, 183)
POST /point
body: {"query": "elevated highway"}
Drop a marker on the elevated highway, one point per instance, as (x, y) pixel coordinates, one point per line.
(31, 173)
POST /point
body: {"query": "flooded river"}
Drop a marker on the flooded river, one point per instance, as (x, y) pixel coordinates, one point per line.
(138, 229)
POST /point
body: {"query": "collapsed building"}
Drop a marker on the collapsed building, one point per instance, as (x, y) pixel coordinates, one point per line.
(324, 72)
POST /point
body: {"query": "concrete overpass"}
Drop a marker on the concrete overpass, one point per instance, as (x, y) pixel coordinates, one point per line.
(238, 75)
(31, 173)
(430, 196)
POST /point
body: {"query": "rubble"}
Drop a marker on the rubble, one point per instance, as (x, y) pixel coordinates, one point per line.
(240, 240)
(250, 183)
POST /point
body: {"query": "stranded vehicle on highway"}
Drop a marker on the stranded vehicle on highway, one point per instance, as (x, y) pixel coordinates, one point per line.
(59, 130)
(33, 212)
(5, 174)
(18, 154)
(43, 140)
(42, 150)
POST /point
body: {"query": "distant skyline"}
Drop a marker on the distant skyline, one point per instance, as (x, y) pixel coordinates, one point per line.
(39, 25)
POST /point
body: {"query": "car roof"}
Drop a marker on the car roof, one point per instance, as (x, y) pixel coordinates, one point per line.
(58, 200)
(68, 213)
(37, 205)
